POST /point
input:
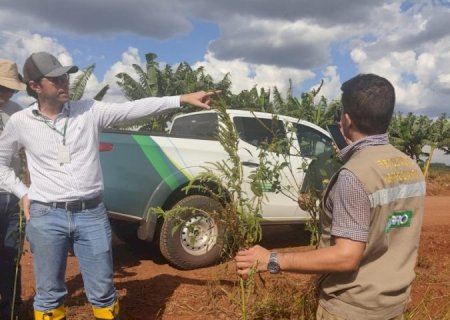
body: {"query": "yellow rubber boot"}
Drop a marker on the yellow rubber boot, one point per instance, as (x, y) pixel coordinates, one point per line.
(107, 313)
(55, 314)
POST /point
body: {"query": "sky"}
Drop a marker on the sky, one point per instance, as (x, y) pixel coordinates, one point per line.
(261, 43)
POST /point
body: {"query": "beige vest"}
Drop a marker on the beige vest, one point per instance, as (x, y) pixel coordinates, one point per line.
(380, 288)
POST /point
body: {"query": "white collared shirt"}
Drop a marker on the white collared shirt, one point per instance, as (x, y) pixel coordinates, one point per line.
(6, 111)
(81, 177)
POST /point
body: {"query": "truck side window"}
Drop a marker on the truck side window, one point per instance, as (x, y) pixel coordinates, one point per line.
(319, 148)
(199, 126)
(312, 142)
(258, 131)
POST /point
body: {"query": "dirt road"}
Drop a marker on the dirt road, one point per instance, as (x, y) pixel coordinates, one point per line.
(151, 289)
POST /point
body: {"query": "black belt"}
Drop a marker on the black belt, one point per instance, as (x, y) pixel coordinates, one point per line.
(76, 205)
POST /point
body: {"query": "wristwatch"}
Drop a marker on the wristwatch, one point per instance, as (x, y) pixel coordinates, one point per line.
(273, 266)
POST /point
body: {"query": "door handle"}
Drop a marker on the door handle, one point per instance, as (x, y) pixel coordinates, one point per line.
(249, 164)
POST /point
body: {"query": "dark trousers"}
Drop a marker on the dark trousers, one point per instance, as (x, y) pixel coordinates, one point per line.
(11, 244)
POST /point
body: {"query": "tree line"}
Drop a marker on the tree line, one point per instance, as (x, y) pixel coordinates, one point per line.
(410, 133)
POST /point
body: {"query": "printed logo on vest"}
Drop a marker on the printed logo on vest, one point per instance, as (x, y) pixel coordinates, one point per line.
(400, 219)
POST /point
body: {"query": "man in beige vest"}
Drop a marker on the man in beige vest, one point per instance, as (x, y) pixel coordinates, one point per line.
(371, 218)
(10, 245)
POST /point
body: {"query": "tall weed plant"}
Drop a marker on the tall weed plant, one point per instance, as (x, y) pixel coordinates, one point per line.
(20, 239)
(225, 181)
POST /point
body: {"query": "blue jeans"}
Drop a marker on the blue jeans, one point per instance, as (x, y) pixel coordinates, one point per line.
(11, 243)
(51, 232)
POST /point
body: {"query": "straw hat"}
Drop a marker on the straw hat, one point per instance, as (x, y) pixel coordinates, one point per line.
(9, 77)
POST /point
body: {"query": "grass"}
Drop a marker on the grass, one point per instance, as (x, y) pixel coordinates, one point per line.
(271, 297)
(433, 305)
(439, 175)
(292, 296)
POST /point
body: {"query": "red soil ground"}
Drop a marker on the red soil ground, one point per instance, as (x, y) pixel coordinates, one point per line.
(151, 289)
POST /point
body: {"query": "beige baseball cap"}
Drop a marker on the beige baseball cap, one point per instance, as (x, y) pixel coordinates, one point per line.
(9, 76)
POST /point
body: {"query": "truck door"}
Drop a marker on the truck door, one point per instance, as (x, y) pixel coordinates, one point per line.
(253, 133)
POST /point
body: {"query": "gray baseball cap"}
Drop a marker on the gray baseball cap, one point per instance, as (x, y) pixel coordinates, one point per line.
(43, 64)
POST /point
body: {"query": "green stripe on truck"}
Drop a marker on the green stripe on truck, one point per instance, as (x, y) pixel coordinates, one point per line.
(158, 159)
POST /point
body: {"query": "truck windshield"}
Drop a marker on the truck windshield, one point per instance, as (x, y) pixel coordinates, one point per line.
(199, 126)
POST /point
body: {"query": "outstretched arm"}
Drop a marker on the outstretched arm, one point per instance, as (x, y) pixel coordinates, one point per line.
(110, 113)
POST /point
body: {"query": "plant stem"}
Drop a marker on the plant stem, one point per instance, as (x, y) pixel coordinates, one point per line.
(428, 161)
(243, 298)
(19, 253)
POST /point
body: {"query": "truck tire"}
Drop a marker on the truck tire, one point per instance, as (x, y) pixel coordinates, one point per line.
(196, 242)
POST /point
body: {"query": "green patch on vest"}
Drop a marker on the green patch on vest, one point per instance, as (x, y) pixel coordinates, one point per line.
(399, 219)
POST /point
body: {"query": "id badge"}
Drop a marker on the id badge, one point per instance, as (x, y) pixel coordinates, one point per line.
(63, 154)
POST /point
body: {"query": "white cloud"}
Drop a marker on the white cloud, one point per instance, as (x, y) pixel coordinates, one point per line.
(331, 88)
(444, 79)
(293, 44)
(263, 44)
(409, 94)
(159, 19)
(129, 57)
(411, 49)
(358, 55)
(426, 64)
(421, 78)
(19, 45)
(244, 76)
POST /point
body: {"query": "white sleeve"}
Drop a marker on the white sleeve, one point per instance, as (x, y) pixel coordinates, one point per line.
(9, 146)
(107, 114)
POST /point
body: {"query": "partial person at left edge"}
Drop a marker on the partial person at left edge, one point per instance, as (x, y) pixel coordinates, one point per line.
(10, 232)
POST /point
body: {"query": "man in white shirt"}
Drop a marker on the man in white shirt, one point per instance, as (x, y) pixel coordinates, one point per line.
(10, 233)
(63, 203)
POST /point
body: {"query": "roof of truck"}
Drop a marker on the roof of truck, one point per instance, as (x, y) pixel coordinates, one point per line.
(266, 115)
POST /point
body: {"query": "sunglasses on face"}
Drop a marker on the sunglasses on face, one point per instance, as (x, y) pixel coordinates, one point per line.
(7, 90)
(63, 79)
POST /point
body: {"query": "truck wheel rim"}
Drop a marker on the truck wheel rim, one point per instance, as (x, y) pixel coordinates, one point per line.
(198, 235)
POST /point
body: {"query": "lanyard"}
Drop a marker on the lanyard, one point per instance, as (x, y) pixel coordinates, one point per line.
(48, 122)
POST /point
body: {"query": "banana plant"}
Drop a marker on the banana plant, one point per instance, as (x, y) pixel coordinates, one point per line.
(439, 138)
(78, 86)
(410, 134)
(252, 100)
(307, 107)
(154, 81)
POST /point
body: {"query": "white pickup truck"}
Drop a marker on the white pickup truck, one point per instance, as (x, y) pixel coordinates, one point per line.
(144, 170)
